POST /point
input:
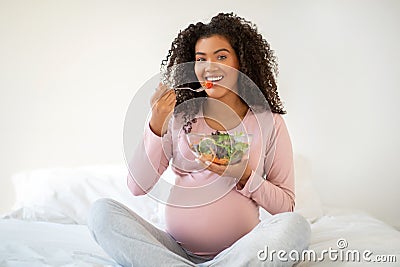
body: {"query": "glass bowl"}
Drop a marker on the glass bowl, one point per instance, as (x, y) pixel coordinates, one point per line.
(220, 148)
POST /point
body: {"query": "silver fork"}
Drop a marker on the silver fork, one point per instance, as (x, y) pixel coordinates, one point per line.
(201, 89)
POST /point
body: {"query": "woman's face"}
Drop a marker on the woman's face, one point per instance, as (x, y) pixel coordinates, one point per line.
(217, 62)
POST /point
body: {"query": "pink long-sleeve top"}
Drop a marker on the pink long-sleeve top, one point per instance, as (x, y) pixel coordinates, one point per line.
(205, 212)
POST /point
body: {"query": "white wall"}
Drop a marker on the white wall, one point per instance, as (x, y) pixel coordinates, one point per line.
(68, 70)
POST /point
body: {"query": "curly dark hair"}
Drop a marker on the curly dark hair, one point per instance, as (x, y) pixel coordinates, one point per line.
(256, 60)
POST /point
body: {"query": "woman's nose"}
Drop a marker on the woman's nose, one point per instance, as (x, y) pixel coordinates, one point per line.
(211, 66)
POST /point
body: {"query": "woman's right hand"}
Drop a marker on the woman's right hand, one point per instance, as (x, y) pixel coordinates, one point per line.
(162, 106)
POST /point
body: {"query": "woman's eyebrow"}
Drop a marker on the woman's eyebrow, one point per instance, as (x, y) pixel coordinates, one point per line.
(222, 49)
(217, 51)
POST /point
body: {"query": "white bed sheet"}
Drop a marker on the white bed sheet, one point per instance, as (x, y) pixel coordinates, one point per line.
(361, 232)
(46, 226)
(40, 244)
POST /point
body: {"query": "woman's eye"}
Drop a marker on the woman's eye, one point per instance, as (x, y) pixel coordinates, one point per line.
(200, 59)
(221, 57)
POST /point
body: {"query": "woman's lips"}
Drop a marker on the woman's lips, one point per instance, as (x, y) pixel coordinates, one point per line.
(210, 81)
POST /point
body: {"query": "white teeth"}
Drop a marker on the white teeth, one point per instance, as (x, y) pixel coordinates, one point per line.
(214, 79)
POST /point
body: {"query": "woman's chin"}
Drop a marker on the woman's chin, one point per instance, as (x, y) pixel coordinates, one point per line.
(217, 91)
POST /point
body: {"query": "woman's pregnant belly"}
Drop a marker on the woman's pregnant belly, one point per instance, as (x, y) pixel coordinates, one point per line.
(209, 229)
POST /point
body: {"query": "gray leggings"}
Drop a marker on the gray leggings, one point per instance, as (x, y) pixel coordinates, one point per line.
(132, 241)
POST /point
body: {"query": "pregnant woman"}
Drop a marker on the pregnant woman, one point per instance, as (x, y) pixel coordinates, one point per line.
(212, 212)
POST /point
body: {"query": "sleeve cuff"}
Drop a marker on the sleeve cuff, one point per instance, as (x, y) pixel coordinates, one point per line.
(252, 185)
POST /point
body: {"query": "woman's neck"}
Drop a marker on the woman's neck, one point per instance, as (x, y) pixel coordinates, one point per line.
(224, 115)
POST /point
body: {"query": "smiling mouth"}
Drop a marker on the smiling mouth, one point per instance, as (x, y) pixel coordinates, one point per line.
(214, 78)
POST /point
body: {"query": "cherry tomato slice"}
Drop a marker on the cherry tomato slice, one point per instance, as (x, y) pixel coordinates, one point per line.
(208, 84)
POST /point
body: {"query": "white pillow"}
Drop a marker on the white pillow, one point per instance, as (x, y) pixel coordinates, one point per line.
(65, 195)
(308, 202)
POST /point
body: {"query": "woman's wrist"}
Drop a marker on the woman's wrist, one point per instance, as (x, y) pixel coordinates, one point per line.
(154, 127)
(243, 180)
(159, 125)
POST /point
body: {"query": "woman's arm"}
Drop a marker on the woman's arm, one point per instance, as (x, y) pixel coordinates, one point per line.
(152, 155)
(276, 193)
(150, 160)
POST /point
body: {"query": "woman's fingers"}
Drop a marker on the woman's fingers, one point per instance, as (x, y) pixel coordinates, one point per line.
(161, 92)
(236, 170)
(217, 168)
(170, 97)
(167, 101)
(163, 100)
(162, 105)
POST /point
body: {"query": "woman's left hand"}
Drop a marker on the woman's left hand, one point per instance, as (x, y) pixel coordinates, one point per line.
(239, 171)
